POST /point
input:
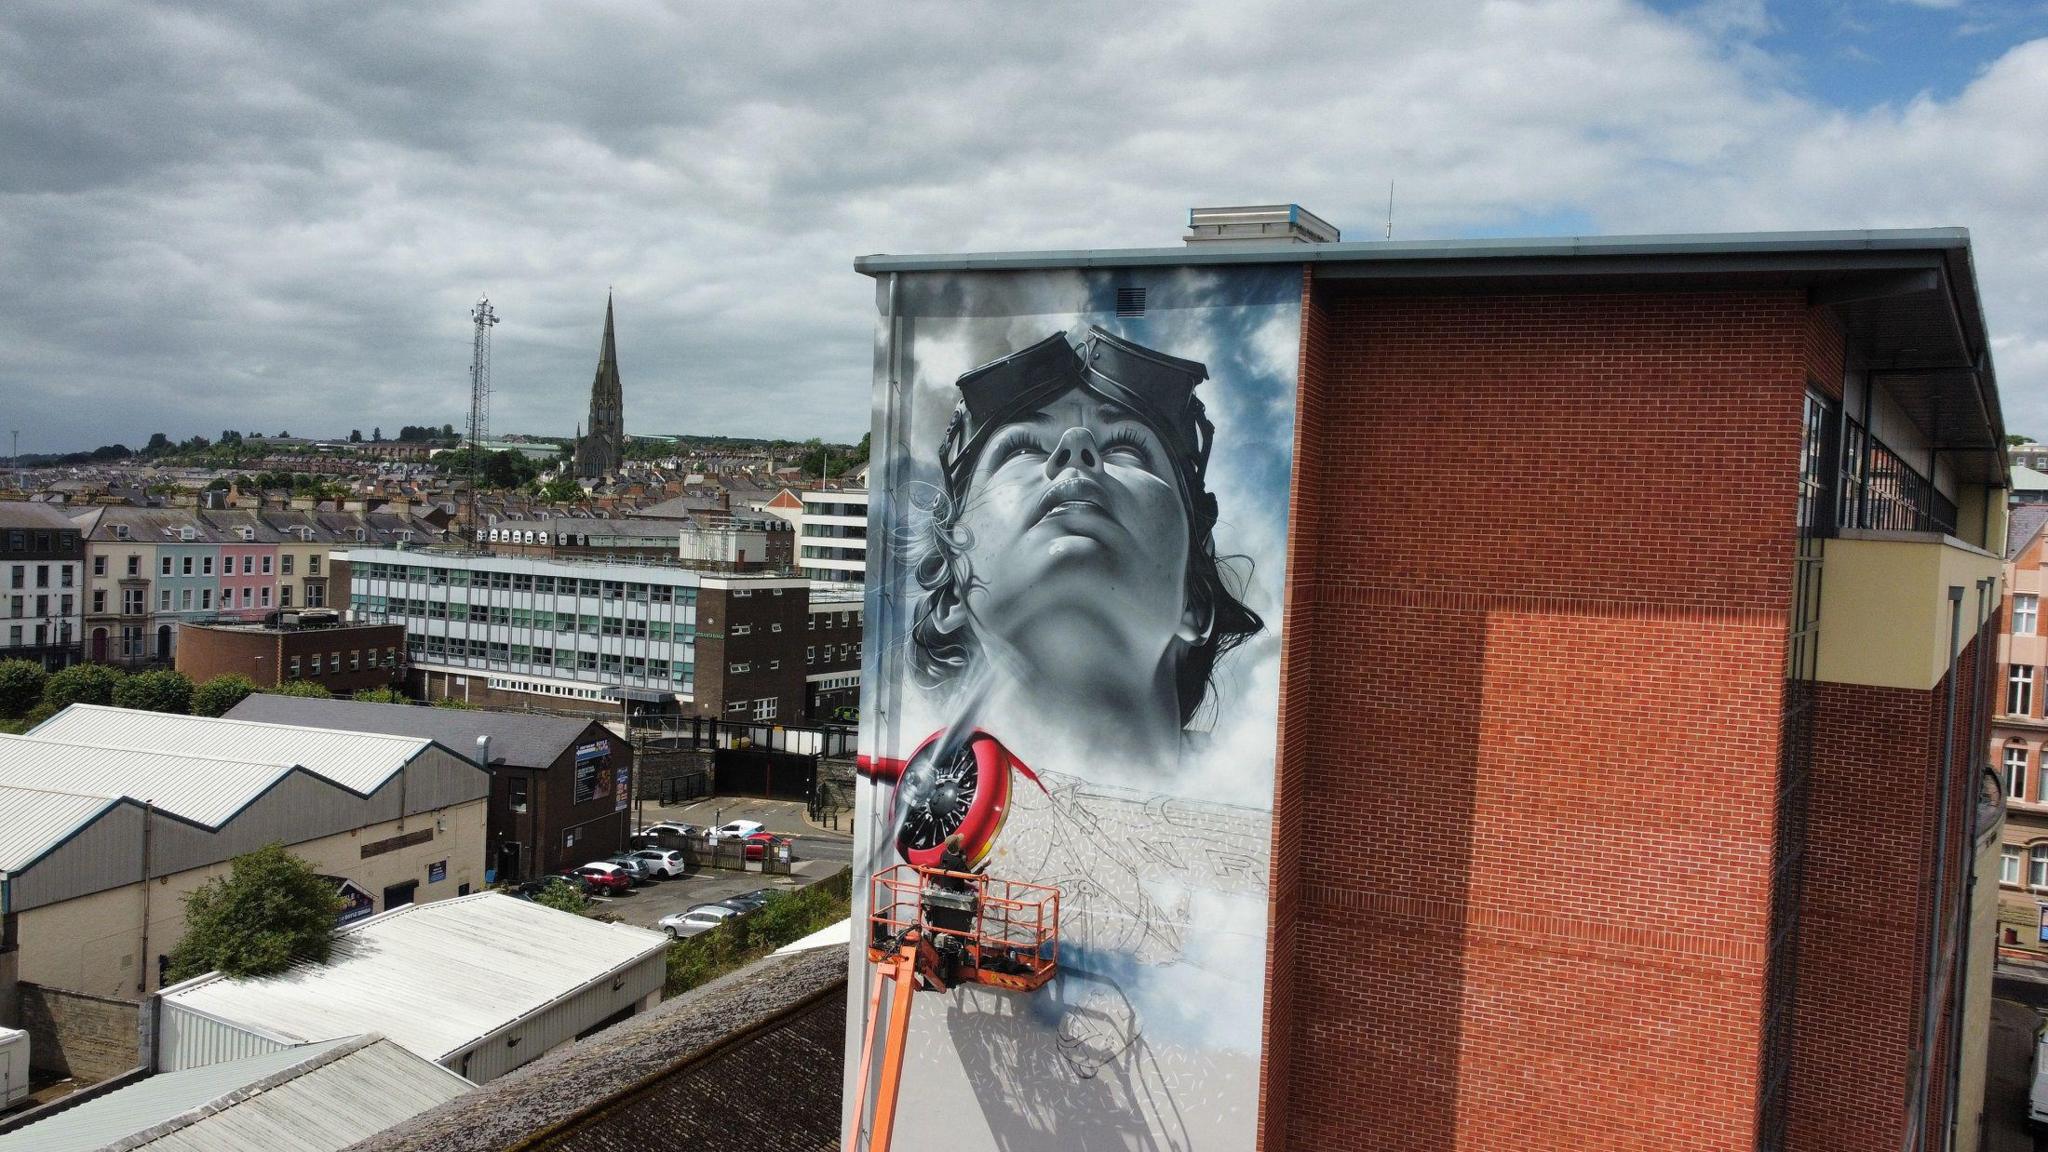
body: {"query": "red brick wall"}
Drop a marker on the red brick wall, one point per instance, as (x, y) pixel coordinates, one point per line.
(1532, 774)
(1867, 902)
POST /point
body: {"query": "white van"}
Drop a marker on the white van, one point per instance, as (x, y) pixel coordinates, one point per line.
(13, 1066)
(2037, 1096)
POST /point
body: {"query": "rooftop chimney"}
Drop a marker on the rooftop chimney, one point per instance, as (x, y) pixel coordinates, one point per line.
(1259, 224)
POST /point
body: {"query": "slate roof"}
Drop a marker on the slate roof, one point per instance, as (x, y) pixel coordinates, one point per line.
(2024, 525)
(518, 740)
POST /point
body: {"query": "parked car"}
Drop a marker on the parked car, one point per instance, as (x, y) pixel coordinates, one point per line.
(703, 918)
(637, 870)
(760, 844)
(673, 828)
(737, 830)
(749, 901)
(663, 862)
(601, 878)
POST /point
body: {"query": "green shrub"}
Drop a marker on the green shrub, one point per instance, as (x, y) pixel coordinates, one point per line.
(21, 685)
(454, 702)
(219, 695)
(562, 896)
(787, 917)
(305, 688)
(160, 691)
(271, 909)
(381, 696)
(81, 684)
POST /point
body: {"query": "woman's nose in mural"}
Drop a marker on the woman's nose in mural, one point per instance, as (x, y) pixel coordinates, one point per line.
(1076, 449)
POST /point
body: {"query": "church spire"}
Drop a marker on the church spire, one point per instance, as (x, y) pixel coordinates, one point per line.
(603, 449)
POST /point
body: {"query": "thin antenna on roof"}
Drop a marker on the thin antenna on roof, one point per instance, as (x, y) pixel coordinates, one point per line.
(1390, 209)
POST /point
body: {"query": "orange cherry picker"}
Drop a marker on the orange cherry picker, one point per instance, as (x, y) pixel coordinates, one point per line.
(931, 928)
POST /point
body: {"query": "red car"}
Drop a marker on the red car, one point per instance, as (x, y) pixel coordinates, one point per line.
(761, 843)
(601, 878)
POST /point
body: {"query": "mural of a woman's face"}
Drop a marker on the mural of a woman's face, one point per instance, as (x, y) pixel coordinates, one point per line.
(1079, 537)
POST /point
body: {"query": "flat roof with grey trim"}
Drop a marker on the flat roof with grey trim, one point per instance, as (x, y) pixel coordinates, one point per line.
(1907, 298)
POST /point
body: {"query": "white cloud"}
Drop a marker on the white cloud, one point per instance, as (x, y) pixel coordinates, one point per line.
(267, 217)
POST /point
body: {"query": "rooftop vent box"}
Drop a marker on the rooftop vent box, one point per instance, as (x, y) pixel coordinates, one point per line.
(1259, 224)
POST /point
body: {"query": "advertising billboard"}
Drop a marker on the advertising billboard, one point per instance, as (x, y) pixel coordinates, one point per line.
(593, 772)
(1079, 511)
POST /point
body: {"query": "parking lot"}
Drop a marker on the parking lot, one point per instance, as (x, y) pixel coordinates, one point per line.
(817, 854)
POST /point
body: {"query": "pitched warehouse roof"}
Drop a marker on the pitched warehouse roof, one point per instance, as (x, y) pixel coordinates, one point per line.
(360, 762)
(434, 978)
(520, 740)
(203, 790)
(33, 819)
(309, 1098)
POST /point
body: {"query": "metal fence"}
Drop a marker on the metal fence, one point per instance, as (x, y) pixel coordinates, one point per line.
(701, 851)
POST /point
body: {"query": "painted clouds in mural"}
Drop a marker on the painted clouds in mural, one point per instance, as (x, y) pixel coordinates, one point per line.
(1081, 517)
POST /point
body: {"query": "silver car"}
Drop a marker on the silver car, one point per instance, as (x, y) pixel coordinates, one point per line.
(661, 861)
(702, 918)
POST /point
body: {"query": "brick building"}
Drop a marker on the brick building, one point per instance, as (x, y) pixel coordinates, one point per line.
(1599, 818)
(310, 645)
(2019, 735)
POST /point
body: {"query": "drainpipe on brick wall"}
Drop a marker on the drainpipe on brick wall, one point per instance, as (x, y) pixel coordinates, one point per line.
(142, 960)
(1966, 855)
(1916, 1108)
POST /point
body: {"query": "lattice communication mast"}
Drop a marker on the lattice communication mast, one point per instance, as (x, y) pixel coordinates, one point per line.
(483, 316)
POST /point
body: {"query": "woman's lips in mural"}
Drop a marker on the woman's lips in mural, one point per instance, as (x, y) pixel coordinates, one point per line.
(1071, 495)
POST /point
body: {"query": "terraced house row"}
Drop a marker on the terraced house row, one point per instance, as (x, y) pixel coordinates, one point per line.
(150, 571)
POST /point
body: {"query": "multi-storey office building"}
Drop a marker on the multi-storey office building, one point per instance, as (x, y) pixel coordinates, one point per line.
(832, 652)
(42, 589)
(154, 569)
(580, 635)
(1626, 829)
(344, 659)
(832, 535)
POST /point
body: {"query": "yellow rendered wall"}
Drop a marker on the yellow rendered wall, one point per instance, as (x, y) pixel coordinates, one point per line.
(1976, 1024)
(1884, 615)
(92, 944)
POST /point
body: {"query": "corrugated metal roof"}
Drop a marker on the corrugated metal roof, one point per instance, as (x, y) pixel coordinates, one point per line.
(201, 789)
(311, 1098)
(432, 977)
(520, 740)
(32, 819)
(358, 761)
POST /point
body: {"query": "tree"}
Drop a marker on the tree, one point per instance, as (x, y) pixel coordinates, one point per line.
(21, 685)
(561, 489)
(380, 696)
(355, 435)
(560, 895)
(377, 435)
(270, 910)
(163, 690)
(81, 684)
(302, 688)
(158, 444)
(217, 696)
(2014, 439)
(454, 702)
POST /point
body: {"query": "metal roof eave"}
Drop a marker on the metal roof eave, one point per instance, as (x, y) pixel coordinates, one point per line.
(1636, 248)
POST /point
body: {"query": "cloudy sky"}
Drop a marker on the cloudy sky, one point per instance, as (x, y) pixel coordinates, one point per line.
(268, 217)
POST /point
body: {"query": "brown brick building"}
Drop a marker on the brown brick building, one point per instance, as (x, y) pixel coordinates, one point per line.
(1600, 819)
(310, 646)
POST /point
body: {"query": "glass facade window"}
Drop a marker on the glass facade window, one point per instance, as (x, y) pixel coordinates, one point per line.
(2019, 689)
(2016, 771)
(2026, 611)
(2037, 866)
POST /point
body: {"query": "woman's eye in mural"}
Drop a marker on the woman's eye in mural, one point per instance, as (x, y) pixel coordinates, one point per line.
(1128, 445)
(1017, 442)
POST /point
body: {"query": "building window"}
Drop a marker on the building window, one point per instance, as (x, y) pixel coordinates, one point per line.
(294, 672)
(2016, 771)
(135, 564)
(742, 667)
(185, 568)
(134, 601)
(99, 600)
(313, 565)
(285, 564)
(284, 595)
(264, 600)
(99, 565)
(2037, 866)
(185, 599)
(2009, 865)
(206, 565)
(313, 664)
(2019, 690)
(206, 598)
(764, 708)
(164, 600)
(166, 565)
(266, 565)
(248, 565)
(811, 655)
(517, 795)
(2026, 610)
